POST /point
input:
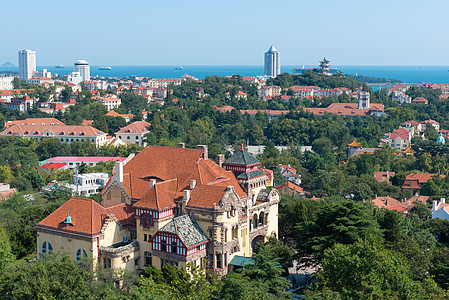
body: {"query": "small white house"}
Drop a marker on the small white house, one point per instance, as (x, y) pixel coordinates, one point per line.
(87, 184)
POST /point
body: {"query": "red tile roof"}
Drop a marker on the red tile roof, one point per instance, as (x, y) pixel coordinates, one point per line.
(112, 113)
(136, 127)
(414, 123)
(34, 121)
(52, 166)
(383, 176)
(160, 196)
(87, 216)
(56, 130)
(167, 164)
(87, 158)
(385, 201)
(87, 122)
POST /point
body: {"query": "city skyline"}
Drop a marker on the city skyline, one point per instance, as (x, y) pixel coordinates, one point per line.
(203, 33)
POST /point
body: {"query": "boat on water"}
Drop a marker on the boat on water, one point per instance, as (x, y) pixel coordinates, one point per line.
(104, 68)
(59, 67)
(179, 68)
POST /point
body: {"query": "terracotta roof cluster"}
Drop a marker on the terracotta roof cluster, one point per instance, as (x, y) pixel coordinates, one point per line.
(173, 169)
(401, 206)
(87, 217)
(15, 92)
(415, 181)
(34, 121)
(136, 127)
(55, 130)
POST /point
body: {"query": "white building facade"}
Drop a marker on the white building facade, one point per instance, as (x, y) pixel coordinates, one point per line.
(6, 82)
(82, 67)
(27, 64)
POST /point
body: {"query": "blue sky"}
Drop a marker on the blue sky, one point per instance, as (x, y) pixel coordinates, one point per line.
(347, 32)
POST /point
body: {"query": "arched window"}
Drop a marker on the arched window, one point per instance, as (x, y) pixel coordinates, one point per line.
(262, 219)
(47, 248)
(78, 254)
(255, 221)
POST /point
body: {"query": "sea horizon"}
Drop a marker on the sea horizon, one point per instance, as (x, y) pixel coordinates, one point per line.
(404, 73)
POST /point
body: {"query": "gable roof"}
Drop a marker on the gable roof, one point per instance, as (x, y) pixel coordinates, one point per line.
(161, 195)
(87, 216)
(178, 165)
(385, 201)
(136, 127)
(187, 229)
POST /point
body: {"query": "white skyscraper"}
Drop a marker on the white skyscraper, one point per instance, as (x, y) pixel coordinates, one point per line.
(27, 64)
(272, 62)
(82, 67)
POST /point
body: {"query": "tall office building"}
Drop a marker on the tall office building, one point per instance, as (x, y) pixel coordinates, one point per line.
(82, 67)
(272, 62)
(27, 64)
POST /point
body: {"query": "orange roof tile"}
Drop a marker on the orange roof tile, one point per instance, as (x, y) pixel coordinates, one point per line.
(56, 130)
(167, 164)
(136, 127)
(385, 202)
(87, 216)
(34, 121)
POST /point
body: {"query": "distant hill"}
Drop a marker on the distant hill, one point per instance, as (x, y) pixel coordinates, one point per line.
(7, 64)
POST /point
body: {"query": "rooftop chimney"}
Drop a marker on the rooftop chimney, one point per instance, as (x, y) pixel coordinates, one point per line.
(119, 171)
(192, 184)
(181, 145)
(152, 182)
(220, 160)
(443, 200)
(186, 196)
(204, 148)
(434, 205)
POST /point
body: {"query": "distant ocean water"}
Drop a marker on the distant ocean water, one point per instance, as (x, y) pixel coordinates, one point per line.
(408, 74)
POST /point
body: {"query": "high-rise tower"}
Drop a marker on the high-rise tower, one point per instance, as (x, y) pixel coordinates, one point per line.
(82, 67)
(272, 62)
(27, 64)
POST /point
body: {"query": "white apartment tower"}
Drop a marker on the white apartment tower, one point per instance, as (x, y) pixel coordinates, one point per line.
(272, 62)
(27, 64)
(82, 67)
